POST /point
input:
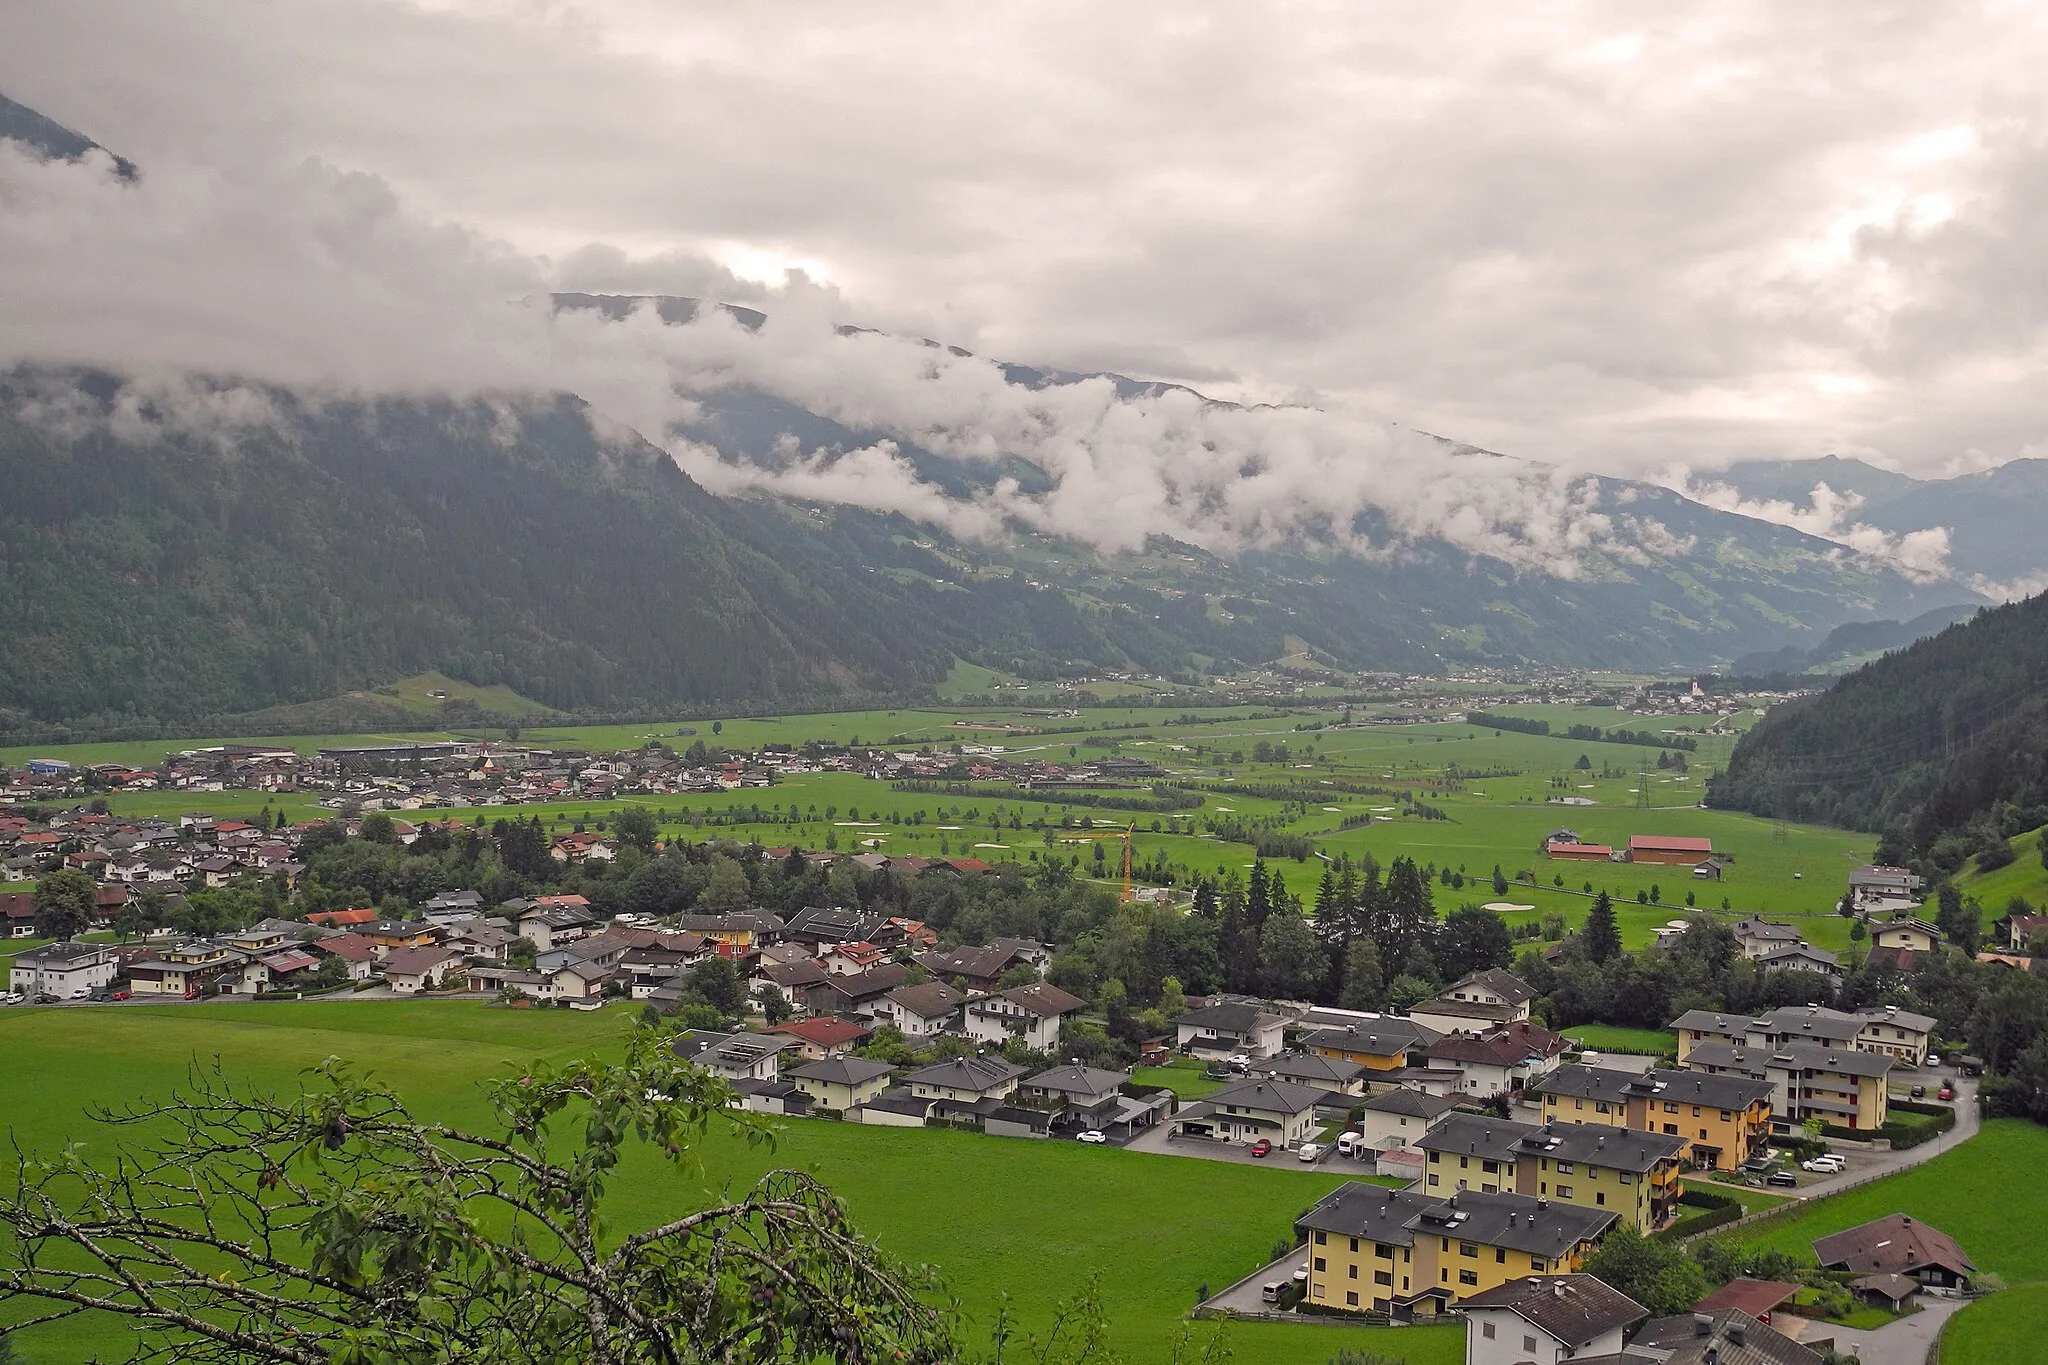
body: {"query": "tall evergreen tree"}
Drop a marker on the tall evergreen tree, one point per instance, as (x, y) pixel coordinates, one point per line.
(1258, 901)
(1291, 962)
(1601, 934)
(1365, 980)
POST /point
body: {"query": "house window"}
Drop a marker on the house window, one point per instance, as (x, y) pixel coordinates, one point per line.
(1320, 1265)
(1578, 1104)
(1468, 1277)
(1537, 1263)
(1322, 1240)
(1671, 1129)
(1490, 1167)
(1319, 1291)
(1564, 1168)
(1670, 1107)
(1500, 1256)
(1528, 1343)
(1600, 1198)
(1434, 1156)
(1432, 1178)
(1628, 1179)
(1351, 1300)
(1354, 1246)
(1695, 1111)
(1564, 1191)
(1486, 1330)
(1383, 1251)
(1468, 1249)
(1464, 1162)
(1351, 1271)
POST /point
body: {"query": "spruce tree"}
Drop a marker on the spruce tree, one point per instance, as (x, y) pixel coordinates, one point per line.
(1601, 934)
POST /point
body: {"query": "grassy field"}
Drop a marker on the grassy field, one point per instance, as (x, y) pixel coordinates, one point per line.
(1615, 1038)
(994, 1215)
(1495, 789)
(2024, 877)
(1186, 1078)
(1983, 1195)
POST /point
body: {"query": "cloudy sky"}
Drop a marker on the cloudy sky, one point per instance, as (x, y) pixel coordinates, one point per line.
(1613, 236)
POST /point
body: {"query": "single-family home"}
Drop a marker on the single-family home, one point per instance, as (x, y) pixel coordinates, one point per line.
(1758, 938)
(1398, 1117)
(1897, 1245)
(857, 995)
(1313, 1069)
(819, 1039)
(1231, 1028)
(1882, 889)
(739, 930)
(182, 969)
(1249, 1110)
(1072, 1098)
(732, 1056)
(1500, 1061)
(841, 1083)
(410, 971)
(921, 1011)
(1916, 934)
(1802, 957)
(1380, 1043)
(1547, 1320)
(1894, 1032)
(965, 1090)
(1035, 1014)
(1727, 1336)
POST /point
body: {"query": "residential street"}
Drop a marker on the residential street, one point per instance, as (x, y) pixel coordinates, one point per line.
(1904, 1342)
(1160, 1139)
(1875, 1164)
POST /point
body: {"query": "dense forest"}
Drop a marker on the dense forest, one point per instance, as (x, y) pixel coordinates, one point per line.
(1941, 747)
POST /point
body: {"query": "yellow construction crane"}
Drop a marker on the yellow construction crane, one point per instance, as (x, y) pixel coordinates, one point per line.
(1123, 834)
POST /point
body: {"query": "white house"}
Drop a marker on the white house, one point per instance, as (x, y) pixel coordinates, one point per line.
(922, 1010)
(68, 971)
(1034, 1013)
(1398, 1117)
(1547, 1319)
(410, 971)
(1232, 1027)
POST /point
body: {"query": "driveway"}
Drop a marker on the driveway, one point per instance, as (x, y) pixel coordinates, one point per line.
(1245, 1295)
(1869, 1166)
(1161, 1139)
(1904, 1342)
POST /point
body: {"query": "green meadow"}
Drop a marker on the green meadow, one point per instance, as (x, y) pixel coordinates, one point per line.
(1344, 787)
(994, 1216)
(1980, 1194)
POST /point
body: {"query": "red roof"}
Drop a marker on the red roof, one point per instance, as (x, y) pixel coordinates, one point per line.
(563, 902)
(1661, 843)
(823, 1032)
(340, 917)
(971, 865)
(1754, 1297)
(1570, 848)
(352, 947)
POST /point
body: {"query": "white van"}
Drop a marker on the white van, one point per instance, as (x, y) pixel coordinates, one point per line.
(1350, 1144)
(1271, 1293)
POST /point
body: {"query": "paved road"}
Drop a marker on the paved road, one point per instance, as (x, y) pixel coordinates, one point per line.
(1904, 1342)
(1866, 1166)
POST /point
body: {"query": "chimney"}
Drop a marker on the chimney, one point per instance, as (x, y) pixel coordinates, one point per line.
(1702, 1324)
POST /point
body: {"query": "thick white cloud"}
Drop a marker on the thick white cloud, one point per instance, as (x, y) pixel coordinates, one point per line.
(1597, 235)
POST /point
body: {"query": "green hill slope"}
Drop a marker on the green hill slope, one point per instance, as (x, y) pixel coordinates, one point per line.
(1945, 740)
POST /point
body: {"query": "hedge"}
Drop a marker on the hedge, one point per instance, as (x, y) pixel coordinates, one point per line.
(1901, 1136)
(1715, 1210)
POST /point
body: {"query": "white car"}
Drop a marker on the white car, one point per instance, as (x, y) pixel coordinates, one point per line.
(1093, 1135)
(1309, 1151)
(1824, 1165)
(10, 998)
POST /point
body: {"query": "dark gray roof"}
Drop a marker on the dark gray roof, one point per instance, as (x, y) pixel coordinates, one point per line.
(1595, 1144)
(1413, 1103)
(966, 1073)
(1574, 1309)
(1754, 1061)
(1356, 1209)
(1309, 1069)
(1505, 984)
(843, 1071)
(1479, 1135)
(1729, 1337)
(1383, 1037)
(1231, 1017)
(1539, 1227)
(1274, 1097)
(1075, 1079)
(932, 1000)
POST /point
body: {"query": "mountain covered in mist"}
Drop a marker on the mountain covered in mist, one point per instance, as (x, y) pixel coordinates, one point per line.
(1994, 517)
(179, 552)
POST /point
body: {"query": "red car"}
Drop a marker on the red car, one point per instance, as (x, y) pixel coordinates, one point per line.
(1261, 1147)
(118, 995)
(1947, 1092)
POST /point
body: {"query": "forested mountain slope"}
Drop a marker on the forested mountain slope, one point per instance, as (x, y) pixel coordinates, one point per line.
(184, 575)
(1946, 740)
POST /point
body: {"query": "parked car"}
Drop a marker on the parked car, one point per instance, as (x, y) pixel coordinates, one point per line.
(1301, 1275)
(1309, 1151)
(1262, 1147)
(1272, 1292)
(1947, 1092)
(10, 998)
(1093, 1135)
(119, 995)
(1782, 1179)
(1350, 1144)
(1825, 1165)
(1919, 1092)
